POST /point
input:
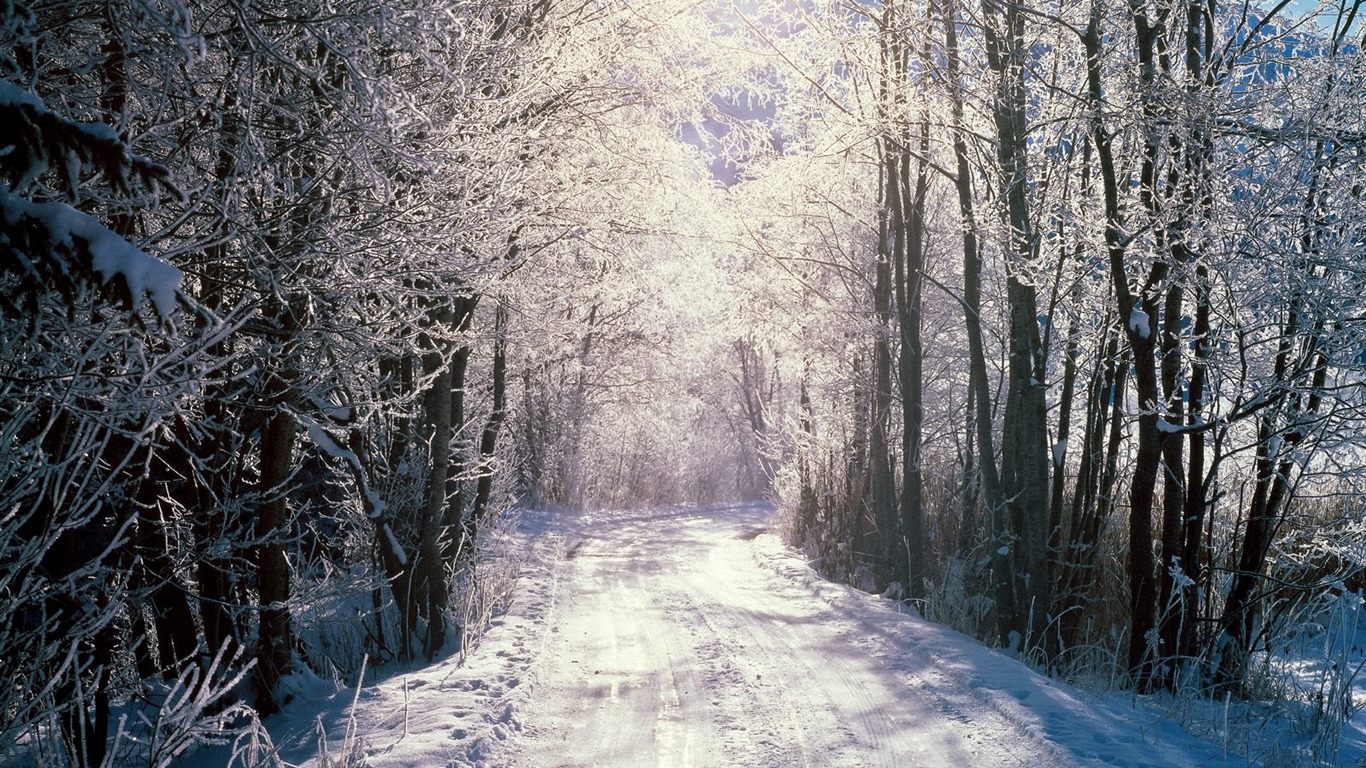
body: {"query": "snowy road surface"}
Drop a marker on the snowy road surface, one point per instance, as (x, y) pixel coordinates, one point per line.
(672, 645)
(693, 637)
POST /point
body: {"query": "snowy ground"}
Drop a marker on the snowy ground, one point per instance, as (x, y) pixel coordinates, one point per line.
(686, 637)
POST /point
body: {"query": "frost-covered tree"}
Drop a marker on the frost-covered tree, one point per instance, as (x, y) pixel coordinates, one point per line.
(349, 198)
(1123, 366)
(97, 367)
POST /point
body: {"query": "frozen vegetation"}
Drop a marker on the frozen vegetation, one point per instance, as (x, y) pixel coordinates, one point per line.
(1038, 324)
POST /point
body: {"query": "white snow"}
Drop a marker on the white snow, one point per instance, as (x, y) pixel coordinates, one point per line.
(99, 131)
(689, 636)
(1139, 323)
(377, 504)
(1166, 426)
(12, 95)
(396, 547)
(1059, 452)
(319, 436)
(110, 255)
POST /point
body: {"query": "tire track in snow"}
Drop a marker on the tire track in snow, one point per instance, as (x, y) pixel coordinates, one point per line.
(624, 693)
(674, 646)
(802, 713)
(846, 702)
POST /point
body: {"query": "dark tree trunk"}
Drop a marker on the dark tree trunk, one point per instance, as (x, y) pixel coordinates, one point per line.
(221, 436)
(1241, 605)
(453, 536)
(1173, 612)
(275, 641)
(1273, 491)
(172, 616)
(978, 380)
(431, 587)
(1104, 413)
(881, 499)
(217, 527)
(1024, 433)
(1058, 526)
(393, 561)
(1183, 489)
(1196, 485)
(488, 441)
(1139, 315)
(909, 207)
(856, 509)
(808, 506)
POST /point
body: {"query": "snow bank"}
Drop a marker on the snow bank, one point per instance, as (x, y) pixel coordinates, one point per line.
(750, 640)
(986, 685)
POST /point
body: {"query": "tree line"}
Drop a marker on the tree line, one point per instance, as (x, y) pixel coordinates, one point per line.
(1043, 317)
(1095, 266)
(297, 299)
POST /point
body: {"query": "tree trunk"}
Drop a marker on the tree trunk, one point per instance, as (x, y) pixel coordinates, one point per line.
(1058, 526)
(275, 641)
(881, 500)
(172, 616)
(856, 511)
(1172, 572)
(978, 380)
(1272, 494)
(1139, 314)
(488, 441)
(1095, 473)
(431, 587)
(808, 506)
(1193, 521)
(453, 532)
(1024, 433)
(909, 206)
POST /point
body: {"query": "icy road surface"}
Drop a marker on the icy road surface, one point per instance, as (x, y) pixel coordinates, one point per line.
(692, 637)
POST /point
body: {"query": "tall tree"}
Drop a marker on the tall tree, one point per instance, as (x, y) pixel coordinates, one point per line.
(1024, 431)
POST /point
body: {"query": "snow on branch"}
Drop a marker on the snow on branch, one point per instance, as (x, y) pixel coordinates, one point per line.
(1140, 323)
(41, 240)
(52, 246)
(34, 140)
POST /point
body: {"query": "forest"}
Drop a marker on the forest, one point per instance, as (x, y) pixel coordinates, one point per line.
(1042, 317)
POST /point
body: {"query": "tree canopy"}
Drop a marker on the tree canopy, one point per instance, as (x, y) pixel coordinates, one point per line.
(1043, 317)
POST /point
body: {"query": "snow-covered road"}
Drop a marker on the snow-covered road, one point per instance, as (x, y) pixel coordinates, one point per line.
(691, 637)
(673, 646)
(694, 637)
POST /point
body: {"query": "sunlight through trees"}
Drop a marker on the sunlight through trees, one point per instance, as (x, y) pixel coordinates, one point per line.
(1042, 317)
